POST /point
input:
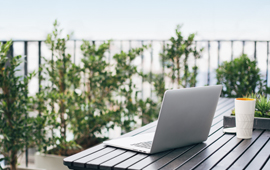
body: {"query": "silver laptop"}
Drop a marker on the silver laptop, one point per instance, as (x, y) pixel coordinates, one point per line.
(185, 118)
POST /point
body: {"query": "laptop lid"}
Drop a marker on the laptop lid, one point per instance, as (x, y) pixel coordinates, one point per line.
(185, 117)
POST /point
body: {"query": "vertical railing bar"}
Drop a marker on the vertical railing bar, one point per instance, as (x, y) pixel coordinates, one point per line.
(109, 53)
(195, 64)
(39, 72)
(231, 50)
(52, 63)
(142, 68)
(163, 64)
(121, 45)
(243, 48)
(208, 73)
(255, 50)
(25, 75)
(151, 67)
(39, 63)
(74, 49)
(218, 54)
(12, 50)
(267, 63)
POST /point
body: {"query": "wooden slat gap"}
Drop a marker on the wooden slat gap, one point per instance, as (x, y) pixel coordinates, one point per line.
(110, 159)
(268, 159)
(136, 162)
(124, 160)
(158, 158)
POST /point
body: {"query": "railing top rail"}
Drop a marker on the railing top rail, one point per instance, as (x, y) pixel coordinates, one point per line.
(204, 40)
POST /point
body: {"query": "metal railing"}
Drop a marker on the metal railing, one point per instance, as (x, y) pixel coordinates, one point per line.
(208, 55)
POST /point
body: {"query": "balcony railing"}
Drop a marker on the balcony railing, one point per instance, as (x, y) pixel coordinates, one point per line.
(215, 52)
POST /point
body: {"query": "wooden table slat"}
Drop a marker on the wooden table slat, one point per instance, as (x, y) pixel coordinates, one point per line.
(223, 103)
(207, 152)
(222, 100)
(111, 163)
(267, 165)
(219, 114)
(248, 155)
(148, 160)
(261, 157)
(195, 150)
(81, 162)
(164, 160)
(233, 155)
(226, 108)
(129, 162)
(214, 158)
(69, 160)
(96, 162)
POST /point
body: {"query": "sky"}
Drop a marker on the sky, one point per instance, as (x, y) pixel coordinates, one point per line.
(140, 19)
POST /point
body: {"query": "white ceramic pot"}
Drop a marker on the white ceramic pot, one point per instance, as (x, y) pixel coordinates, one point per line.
(49, 162)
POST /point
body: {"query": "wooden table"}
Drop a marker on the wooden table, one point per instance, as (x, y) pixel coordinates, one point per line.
(220, 151)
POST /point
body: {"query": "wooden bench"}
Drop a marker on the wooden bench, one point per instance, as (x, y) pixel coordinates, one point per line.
(220, 151)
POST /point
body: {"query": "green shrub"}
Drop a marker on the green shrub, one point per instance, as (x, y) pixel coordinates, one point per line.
(58, 99)
(96, 111)
(176, 55)
(130, 105)
(97, 95)
(175, 59)
(17, 129)
(239, 77)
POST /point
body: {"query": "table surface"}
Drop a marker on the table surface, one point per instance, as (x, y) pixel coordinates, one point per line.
(220, 151)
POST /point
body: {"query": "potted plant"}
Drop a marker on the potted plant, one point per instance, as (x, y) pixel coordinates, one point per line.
(17, 129)
(261, 115)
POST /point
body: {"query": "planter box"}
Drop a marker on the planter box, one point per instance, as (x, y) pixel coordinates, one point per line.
(49, 162)
(259, 123)
(24, 168)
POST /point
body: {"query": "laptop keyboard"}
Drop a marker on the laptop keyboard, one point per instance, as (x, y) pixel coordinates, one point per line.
(146, 145)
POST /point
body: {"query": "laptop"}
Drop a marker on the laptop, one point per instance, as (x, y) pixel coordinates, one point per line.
(185, 118)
